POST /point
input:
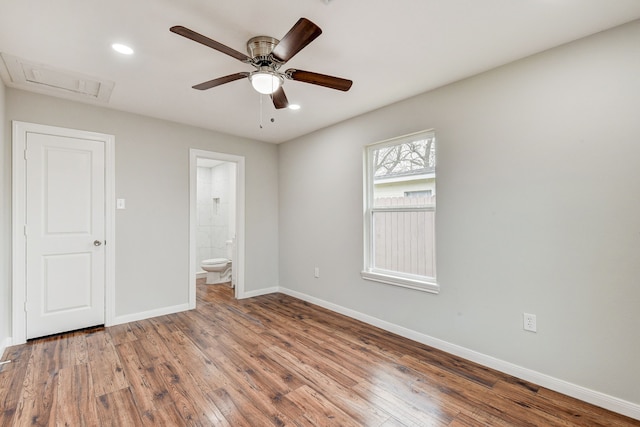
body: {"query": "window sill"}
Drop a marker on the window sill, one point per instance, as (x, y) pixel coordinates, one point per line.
(418, 285)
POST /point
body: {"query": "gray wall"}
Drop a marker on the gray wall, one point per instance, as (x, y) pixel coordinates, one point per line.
(152, 174)
(538, 212)
(5, 224)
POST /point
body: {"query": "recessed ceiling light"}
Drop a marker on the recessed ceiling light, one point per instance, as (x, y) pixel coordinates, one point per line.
(294, 107)
(121, 48)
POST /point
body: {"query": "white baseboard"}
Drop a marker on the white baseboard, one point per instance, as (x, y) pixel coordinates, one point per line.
(4, 345)
(259, 292)
(587, 395)
(148, 314)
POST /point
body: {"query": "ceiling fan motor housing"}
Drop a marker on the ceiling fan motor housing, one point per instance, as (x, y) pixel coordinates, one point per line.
(260, 48)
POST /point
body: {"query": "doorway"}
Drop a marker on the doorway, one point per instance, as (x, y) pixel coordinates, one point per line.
(62, 221)
(216, 215)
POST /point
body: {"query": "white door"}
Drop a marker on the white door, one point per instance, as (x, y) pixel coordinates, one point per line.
(65, 231)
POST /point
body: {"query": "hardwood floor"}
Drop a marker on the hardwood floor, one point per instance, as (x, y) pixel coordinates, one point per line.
(270, 360)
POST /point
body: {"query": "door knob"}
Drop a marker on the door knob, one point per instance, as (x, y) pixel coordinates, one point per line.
(97, 243)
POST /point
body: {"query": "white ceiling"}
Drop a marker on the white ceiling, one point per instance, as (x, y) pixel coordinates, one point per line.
(392, 50)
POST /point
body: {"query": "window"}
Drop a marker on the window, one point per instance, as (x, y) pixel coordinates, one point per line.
(400, 210)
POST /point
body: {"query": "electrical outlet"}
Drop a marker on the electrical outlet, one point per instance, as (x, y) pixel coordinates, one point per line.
(529, 322)
(316, 272)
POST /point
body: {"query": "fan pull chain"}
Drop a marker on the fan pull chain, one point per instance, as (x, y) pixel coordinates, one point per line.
(260, 116)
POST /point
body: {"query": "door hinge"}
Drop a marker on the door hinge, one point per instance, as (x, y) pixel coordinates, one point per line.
(25, 230)
(25, 154)
(25, 306)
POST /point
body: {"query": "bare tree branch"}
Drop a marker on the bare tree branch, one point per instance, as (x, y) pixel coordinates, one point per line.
(406, 157)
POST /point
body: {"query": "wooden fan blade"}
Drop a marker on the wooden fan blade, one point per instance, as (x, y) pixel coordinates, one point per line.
(300, 35)
(192, 35)
(319, 79)
(279, 99)
(220, 81)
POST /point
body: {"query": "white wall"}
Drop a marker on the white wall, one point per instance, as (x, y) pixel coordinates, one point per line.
(538, 212)
(5, 226)
(152, 174)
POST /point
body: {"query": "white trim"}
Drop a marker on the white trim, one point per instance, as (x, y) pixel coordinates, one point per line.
(579, 392)
(260, 292)
(110, 231)
(118, 320)
(18, 241)
(238, 262)
(418, 284)
(18, 202)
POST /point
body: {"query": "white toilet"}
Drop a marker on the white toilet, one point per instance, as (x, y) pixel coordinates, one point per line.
(218, 269)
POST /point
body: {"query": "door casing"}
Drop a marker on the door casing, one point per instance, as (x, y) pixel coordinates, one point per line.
(238, 262)
(19, 139)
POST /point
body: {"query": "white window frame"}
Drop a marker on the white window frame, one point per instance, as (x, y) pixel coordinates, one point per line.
(369, 272)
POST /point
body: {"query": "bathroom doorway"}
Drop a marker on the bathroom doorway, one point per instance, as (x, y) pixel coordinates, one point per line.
(216, 220)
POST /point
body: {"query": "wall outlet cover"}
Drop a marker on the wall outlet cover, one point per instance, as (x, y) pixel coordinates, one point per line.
(529, 322)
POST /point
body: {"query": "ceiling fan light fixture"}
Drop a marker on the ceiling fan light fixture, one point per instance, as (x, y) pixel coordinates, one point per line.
(265, 82)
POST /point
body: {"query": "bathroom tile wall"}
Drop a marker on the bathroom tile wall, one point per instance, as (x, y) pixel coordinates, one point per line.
(203, 215)
(214, 203)
(220, 193)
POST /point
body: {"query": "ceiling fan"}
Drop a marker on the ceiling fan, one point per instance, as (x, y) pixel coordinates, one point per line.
(267, 55)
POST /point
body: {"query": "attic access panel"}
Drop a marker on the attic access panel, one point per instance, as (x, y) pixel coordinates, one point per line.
(49, 80)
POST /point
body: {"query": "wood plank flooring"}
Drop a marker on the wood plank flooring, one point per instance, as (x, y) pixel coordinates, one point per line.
(270, 360)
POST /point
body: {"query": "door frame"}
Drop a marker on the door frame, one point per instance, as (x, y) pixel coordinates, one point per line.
(238, 262)
(18, 202)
